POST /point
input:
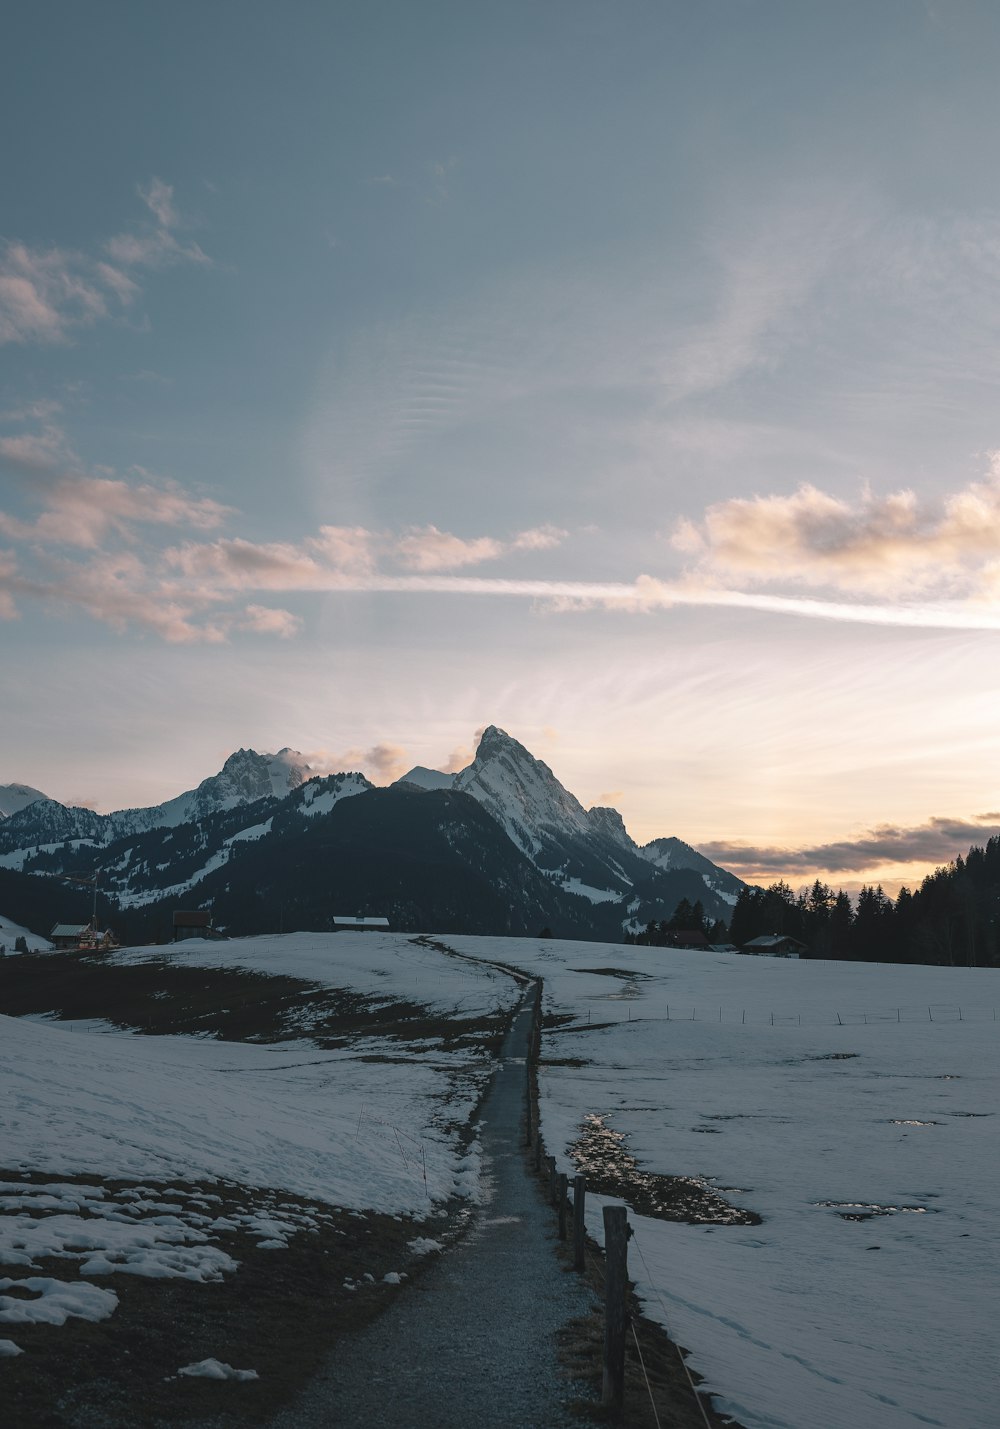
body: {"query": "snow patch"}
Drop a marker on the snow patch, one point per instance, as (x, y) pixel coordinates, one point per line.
(55, 1301)
(216, 1369)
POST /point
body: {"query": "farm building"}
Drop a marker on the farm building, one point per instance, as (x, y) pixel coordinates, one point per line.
(82, 937)
(775, 945)
(192, 923)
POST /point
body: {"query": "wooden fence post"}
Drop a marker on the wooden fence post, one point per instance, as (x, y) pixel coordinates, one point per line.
(615, 1290)
(552, 1179)
(579, 1222)
(562, 1183)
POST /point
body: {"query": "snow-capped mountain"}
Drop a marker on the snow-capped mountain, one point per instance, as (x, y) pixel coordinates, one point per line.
(245, 777)
(671, 853)
(425, 778)
(586, 851)
(15, 797)
(268, 833)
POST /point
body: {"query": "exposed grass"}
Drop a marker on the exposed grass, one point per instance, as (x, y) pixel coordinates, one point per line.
(280, 1313)
(160, 997)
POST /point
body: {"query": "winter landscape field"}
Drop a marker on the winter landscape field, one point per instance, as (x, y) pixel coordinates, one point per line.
(847, 1108)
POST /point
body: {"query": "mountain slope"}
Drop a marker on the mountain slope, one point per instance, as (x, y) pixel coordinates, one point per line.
(673, 854)
(245, 777)
(587, 851)
(15, 797)
(264, 811)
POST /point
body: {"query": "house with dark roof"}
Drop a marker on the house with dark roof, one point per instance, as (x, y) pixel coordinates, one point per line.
(775, 945)
(193, 923)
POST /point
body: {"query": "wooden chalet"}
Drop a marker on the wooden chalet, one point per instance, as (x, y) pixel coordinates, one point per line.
(193, 923)
(82, 938)
(775, 945)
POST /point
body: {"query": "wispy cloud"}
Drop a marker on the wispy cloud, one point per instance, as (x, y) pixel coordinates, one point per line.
(428, 549)
(44, 294)
(767, 266)
(155, 243)
(937, 841)
(47, 294)
(926, 567)
(79, 509)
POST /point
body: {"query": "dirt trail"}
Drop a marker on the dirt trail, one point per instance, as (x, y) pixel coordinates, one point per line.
(474, 1342)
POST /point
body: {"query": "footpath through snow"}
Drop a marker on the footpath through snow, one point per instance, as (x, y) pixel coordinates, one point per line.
(474, 1342)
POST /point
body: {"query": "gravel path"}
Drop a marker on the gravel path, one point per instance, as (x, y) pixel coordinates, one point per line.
(472, 1344)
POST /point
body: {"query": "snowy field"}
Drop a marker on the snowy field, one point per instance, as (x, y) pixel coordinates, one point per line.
(373, 1125)
(850, 1106)
(10, 932)
(861, 1126)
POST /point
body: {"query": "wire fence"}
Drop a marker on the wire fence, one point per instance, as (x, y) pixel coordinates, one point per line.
(617, 1009)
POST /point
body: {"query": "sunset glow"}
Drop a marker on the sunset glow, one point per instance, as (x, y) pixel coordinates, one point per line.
(627, 381)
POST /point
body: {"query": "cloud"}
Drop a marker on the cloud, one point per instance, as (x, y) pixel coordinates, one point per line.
(339, 556)
(114, 589)
(383, 762)
(266, 620)
(937, 841)
(389, 761)
(765, 273)
(463, 756)
(428, 549)
(155, 245)
(47, 294)
(44, 294)
(42, 454)
(159, 199)
(83, 510)
(892, 545)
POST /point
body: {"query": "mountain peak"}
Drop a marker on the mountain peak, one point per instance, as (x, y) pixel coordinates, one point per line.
(15, 797)
(495, 740)
(425, 778)
(519, 791)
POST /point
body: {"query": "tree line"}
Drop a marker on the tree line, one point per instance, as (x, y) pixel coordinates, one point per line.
(953, 918)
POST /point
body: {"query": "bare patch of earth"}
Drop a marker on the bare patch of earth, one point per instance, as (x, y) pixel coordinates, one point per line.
(279, 1313)
(611, 1170)
(625, 974)
(159, 997)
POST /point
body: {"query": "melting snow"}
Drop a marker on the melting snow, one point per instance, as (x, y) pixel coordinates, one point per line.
(216, 1369)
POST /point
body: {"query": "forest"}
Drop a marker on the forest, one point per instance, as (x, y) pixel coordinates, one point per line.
(953, 918)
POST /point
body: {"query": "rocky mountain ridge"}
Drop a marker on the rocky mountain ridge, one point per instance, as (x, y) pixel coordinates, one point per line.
(576, 865)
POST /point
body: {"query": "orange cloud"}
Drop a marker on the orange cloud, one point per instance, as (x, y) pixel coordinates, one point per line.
(894, 545)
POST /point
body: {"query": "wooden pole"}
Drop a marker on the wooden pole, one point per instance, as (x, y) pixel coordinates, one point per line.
(562, 1184)
(552, 1179)
(615, 1290)
(579, 1222)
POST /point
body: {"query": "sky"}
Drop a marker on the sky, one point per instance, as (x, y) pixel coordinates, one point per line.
(620, 373)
